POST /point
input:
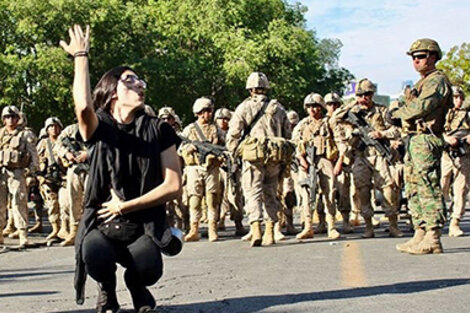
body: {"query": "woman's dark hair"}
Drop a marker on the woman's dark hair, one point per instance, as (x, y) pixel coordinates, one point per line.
(104, 89)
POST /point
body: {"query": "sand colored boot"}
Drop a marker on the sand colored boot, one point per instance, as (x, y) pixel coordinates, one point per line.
(70, 240)
(454, 228)
(212, 231)
(14, 235)
(393, 229)
(255, 231)
(63, 231)
(10, 226)
(55, 231)
(332, 232)
(278, 235)
(347, 228)
(307, 232)
(268, 236)
(418, 236)
(37, 227)
(369, 230)
(23, 234)
(193, 234)
(431, 243)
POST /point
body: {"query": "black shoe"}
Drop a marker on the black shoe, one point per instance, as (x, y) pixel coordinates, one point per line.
(107, 300)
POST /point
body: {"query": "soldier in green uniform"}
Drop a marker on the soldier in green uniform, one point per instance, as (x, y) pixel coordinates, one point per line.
(423, 118)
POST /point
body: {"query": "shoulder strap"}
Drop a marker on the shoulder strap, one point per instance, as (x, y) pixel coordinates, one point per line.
(255, 120)
(51, 153)
(199, 132)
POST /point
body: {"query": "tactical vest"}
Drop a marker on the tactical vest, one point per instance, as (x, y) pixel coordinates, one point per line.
(13, 151)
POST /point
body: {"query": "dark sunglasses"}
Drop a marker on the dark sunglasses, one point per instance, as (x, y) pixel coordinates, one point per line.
(419, 56)
(366, 94)
(133, 80)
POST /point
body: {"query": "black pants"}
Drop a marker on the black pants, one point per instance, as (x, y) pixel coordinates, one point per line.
(141, 258)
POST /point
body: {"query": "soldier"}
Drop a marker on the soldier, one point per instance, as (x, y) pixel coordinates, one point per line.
(257, 133)
(202, 178)
(342, 164)
(423, 118)
(314, 134)
(71, 150)
(455, 164)
(51, 178)
(168, 115)
(17, 153)
(232, 202)
(372, 170)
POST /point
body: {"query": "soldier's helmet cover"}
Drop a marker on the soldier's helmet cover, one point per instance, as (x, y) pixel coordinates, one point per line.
(201, 104)
(333, 97)
(223, 113)
(425, 44)
(166, 111)
(257, 80)
(364, 86)
(312, 99)
(53, 121)
(10, 110)
(293, 117)
(458, 91)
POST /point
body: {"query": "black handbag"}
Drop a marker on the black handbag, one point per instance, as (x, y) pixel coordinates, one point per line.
(121, 230)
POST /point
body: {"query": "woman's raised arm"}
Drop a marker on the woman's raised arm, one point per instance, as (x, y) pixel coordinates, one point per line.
(78, 48)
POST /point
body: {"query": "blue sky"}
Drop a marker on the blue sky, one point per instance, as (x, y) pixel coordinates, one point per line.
(376, 34)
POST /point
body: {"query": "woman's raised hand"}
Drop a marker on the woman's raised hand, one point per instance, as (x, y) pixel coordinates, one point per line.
(79, 42)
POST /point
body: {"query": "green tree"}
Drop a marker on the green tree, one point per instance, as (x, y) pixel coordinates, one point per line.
(184, 49)
(456, 65)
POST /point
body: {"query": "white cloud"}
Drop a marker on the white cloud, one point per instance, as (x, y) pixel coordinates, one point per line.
(376, 34)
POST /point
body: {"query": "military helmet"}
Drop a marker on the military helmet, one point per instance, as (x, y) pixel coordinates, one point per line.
(10, 110)
(333, 97)
(425, 44)
(314, 98)
(166, 111)
(257, 80)
(52, 121)
(223, 113)
(201, 104)
(364, 86)
(458, 91)
(293, 117)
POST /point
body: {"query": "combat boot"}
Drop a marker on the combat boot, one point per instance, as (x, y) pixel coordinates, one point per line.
(37, 227)
(393, 230)
(221, 224)
(278, 235)
(307, 232)
(268, 236)
(70, 240)
(239, 229)
(10, 226)
(55, 231)
(417, 238)
(290, 228)
(454, 228)
(332, 232)
(255, 231)
(107, 299)
(369, 230)
(63, 231)
(354, 221)
(15, 234)
(431, 243)
(321, 227)
(193, 234)
(212, 231)
(23, 234)
(347, 228)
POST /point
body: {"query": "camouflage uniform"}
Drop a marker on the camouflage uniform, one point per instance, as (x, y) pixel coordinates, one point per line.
(17, 154)
(260, 177)
(455, 168)
(70, 141)
(424, 118)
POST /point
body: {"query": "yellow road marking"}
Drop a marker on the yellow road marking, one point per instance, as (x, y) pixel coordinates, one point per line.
(352, 269)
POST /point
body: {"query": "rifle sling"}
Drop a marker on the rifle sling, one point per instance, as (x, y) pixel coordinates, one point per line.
(248, 129)
(51, 154)
(199, 132)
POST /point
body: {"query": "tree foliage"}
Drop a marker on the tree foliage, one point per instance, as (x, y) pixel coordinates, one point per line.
(456, 65)
(184, 49)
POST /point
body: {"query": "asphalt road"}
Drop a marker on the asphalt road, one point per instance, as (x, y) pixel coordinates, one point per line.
(318, 275)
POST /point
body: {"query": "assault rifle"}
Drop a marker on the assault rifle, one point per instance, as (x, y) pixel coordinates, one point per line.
(74, 147)
(462, 146)
(312, 180)
(364, 129)
(205, 148)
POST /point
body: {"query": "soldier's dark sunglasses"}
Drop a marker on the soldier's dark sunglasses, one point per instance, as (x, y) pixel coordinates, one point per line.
(364, 94)
(419, 56)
